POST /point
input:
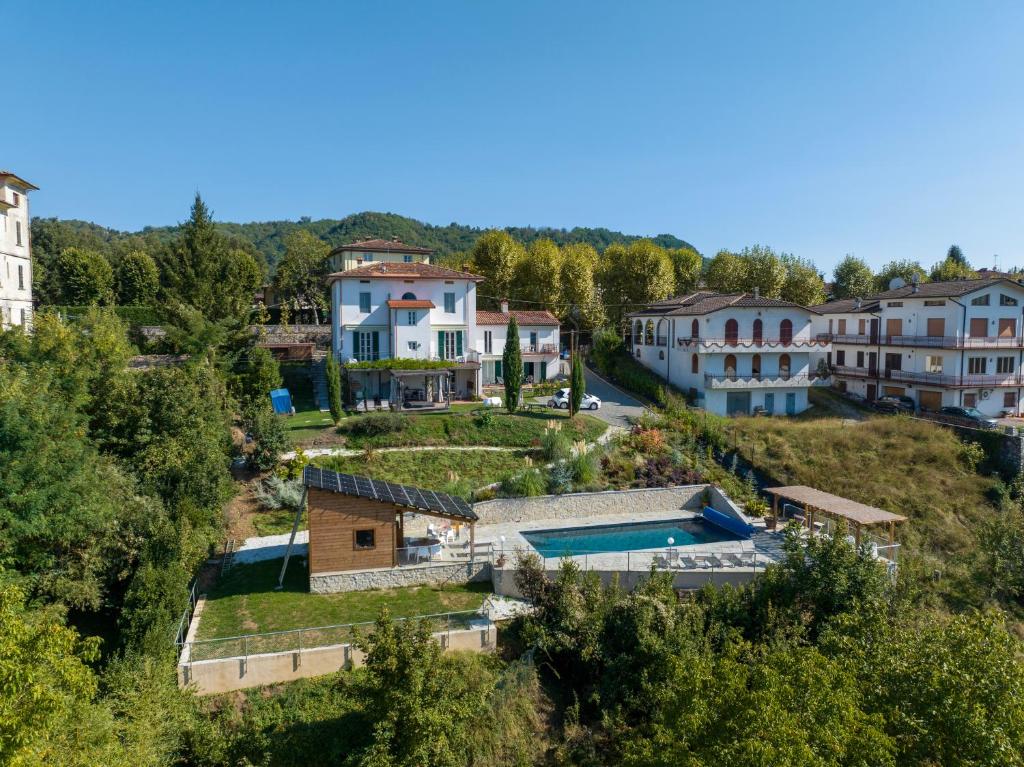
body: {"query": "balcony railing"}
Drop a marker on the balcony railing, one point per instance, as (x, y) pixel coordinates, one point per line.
(540, 349)
(762, 381)
(754, 343)
(969, 380)
(930, 342)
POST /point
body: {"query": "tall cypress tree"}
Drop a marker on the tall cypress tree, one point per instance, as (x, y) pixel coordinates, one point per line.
(333, 373)
(512, 366)
(577, 384)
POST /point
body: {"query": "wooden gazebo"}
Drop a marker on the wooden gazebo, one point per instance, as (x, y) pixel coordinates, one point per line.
(816, 502)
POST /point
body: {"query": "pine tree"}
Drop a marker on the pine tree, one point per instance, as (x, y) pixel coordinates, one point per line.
(512, 366)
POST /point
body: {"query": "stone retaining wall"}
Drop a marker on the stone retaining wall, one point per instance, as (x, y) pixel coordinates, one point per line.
(589, 505)
(396, 577)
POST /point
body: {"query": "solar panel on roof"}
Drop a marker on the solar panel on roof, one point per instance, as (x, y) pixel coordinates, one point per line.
(387, 492)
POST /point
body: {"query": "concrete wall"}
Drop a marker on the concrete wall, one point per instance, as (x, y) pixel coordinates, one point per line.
(396, 577)
(588, 505)
(210, 677)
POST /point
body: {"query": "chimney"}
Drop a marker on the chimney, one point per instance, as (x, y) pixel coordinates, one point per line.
(504, 306)
(915, 287)
(856, 303)
(395, 239)
(757, 291)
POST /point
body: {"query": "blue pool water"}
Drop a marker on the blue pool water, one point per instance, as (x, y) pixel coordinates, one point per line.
(625, 537)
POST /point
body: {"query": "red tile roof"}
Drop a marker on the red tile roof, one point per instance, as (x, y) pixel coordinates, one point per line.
(5, 174)
(405, 303)
(706, 301)
(384, 270)
(543, 317)
(383, 246)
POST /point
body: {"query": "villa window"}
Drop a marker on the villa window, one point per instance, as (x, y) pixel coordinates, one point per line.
(730, 365)
(21, 277)
(408, 296)
(367, 257)
(758, 331)
(662, 329)
(488, 342)
(980, 300)
(407, 259)
(861, 327)
(784, 366)
(365, 539)
(860, 359)
(1010, 399)
(694, 364)
(638, 332)
(449, 344)
(894, 304)
(1004, 364)
(934, 303)
(1005, 300)
(366, 345)
(755, 365)
(841, 356)
(411, 318)
(933, 363)
(695, 329)
(449, 303)
(649, 333)
(17, 229)
(977, 365)
(364, 303)
(842, 327)
(732, 332)
(786, 331)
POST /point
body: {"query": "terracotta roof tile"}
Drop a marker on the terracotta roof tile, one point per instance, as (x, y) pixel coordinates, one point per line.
(543, 317)
(383, 246)
(405, 303)
(385, 270)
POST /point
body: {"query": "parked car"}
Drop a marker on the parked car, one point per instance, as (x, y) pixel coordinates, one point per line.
(895, 403)
(560, 399)
(970, 414)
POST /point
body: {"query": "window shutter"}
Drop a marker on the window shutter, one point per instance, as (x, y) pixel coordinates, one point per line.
(458, 343)
(440, 344)
(376, 345)
(497, 368)
(355, 344)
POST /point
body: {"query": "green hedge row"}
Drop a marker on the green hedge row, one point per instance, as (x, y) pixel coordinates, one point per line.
(131, 315)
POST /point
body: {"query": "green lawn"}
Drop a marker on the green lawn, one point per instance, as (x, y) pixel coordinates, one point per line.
(276, 522)
(432, 469)
(308, 420)
(244, 602)
(463, 429)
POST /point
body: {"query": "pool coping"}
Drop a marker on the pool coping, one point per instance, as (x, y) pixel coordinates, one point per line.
(683, 517)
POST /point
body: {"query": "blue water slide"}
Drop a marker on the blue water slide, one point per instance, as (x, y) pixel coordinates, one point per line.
(724, 521)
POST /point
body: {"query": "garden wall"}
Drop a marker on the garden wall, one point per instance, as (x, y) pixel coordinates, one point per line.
(589, 505)
(210, 677)
(396, 577)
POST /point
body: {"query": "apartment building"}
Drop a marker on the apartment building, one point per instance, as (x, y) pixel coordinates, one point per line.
(735, 354)
(403, 311)
(940, 343)
(15, 251)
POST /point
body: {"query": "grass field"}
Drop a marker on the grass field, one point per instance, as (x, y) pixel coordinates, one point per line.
(244, 601)
(431, 469)
(308, 420)
(906, 466)
(463, 429)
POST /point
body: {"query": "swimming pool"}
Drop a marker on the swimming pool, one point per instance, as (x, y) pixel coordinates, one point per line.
(630, 536)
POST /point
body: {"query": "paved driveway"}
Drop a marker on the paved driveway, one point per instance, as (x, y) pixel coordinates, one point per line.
(617, 407)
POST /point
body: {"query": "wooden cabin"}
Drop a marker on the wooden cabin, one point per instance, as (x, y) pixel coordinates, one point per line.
(357, 523)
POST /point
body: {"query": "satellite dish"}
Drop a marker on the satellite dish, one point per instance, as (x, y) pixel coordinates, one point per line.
(896, 282)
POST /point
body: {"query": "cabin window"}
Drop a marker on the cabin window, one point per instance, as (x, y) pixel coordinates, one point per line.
(934, 303)
(980, 300)
(1005, 300)
(365, 539)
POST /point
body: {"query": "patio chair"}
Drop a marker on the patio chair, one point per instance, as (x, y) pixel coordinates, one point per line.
(687, 562)
(731, 560)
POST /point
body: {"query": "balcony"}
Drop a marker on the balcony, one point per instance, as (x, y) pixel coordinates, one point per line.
(754, 344)
(763, 381)
(929, 342)
(932, 379)
(545, 349)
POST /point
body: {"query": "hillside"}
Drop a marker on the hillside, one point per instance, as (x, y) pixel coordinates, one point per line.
(51, 234)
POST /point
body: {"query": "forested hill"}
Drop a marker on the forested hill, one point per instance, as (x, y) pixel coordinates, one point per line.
(268, 236)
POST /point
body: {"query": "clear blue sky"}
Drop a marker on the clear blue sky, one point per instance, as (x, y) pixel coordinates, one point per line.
(818, 128)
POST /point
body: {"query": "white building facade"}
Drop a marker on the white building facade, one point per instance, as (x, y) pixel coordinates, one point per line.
(941, 343)
(366, 252)
(15, 252)
(419, 311)
(735, 354)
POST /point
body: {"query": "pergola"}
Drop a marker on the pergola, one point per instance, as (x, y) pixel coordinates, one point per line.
(818, 502)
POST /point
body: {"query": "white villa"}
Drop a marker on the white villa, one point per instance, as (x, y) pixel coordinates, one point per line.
(15, 251)
(412, 310)
(940, 343)
(392, 251)
(735, 354)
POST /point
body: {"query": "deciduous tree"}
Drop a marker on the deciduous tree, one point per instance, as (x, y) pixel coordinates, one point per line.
(579, 286)
(803, 283)
(495, 257)
(952, 269)
(905, 269)
(538, 279)
(687, 265)
(84, 278)
(727, 273)
(302, 272)
(138, 279)
(852, 278)
(634, 276)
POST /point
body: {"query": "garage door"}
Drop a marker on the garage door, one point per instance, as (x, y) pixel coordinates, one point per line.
(737, 403)
(929, 400)
(893, 391)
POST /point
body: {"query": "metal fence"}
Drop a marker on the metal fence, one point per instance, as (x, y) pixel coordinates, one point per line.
(670, 558)
(186, 617)
(307, 638)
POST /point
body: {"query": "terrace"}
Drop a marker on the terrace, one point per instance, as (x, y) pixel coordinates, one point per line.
(933, 342)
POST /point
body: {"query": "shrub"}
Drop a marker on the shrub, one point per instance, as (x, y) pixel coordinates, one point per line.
(583, 466)
(485, 419)
(648, 441)
(268, 436)
(374, 424)
(527, 483)
(560, 479)
(277, 493)
(555, 445)
(292, 468)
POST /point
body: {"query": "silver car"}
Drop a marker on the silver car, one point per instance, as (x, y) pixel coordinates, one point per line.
(560, 399)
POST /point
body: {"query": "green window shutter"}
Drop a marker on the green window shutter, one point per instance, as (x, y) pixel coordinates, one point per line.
(458, 343)
(355, 344)
(440, 344)
(543, 371)
(376, 345)
(497, 368)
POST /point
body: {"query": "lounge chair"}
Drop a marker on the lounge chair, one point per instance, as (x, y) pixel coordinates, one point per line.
(732, 560)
